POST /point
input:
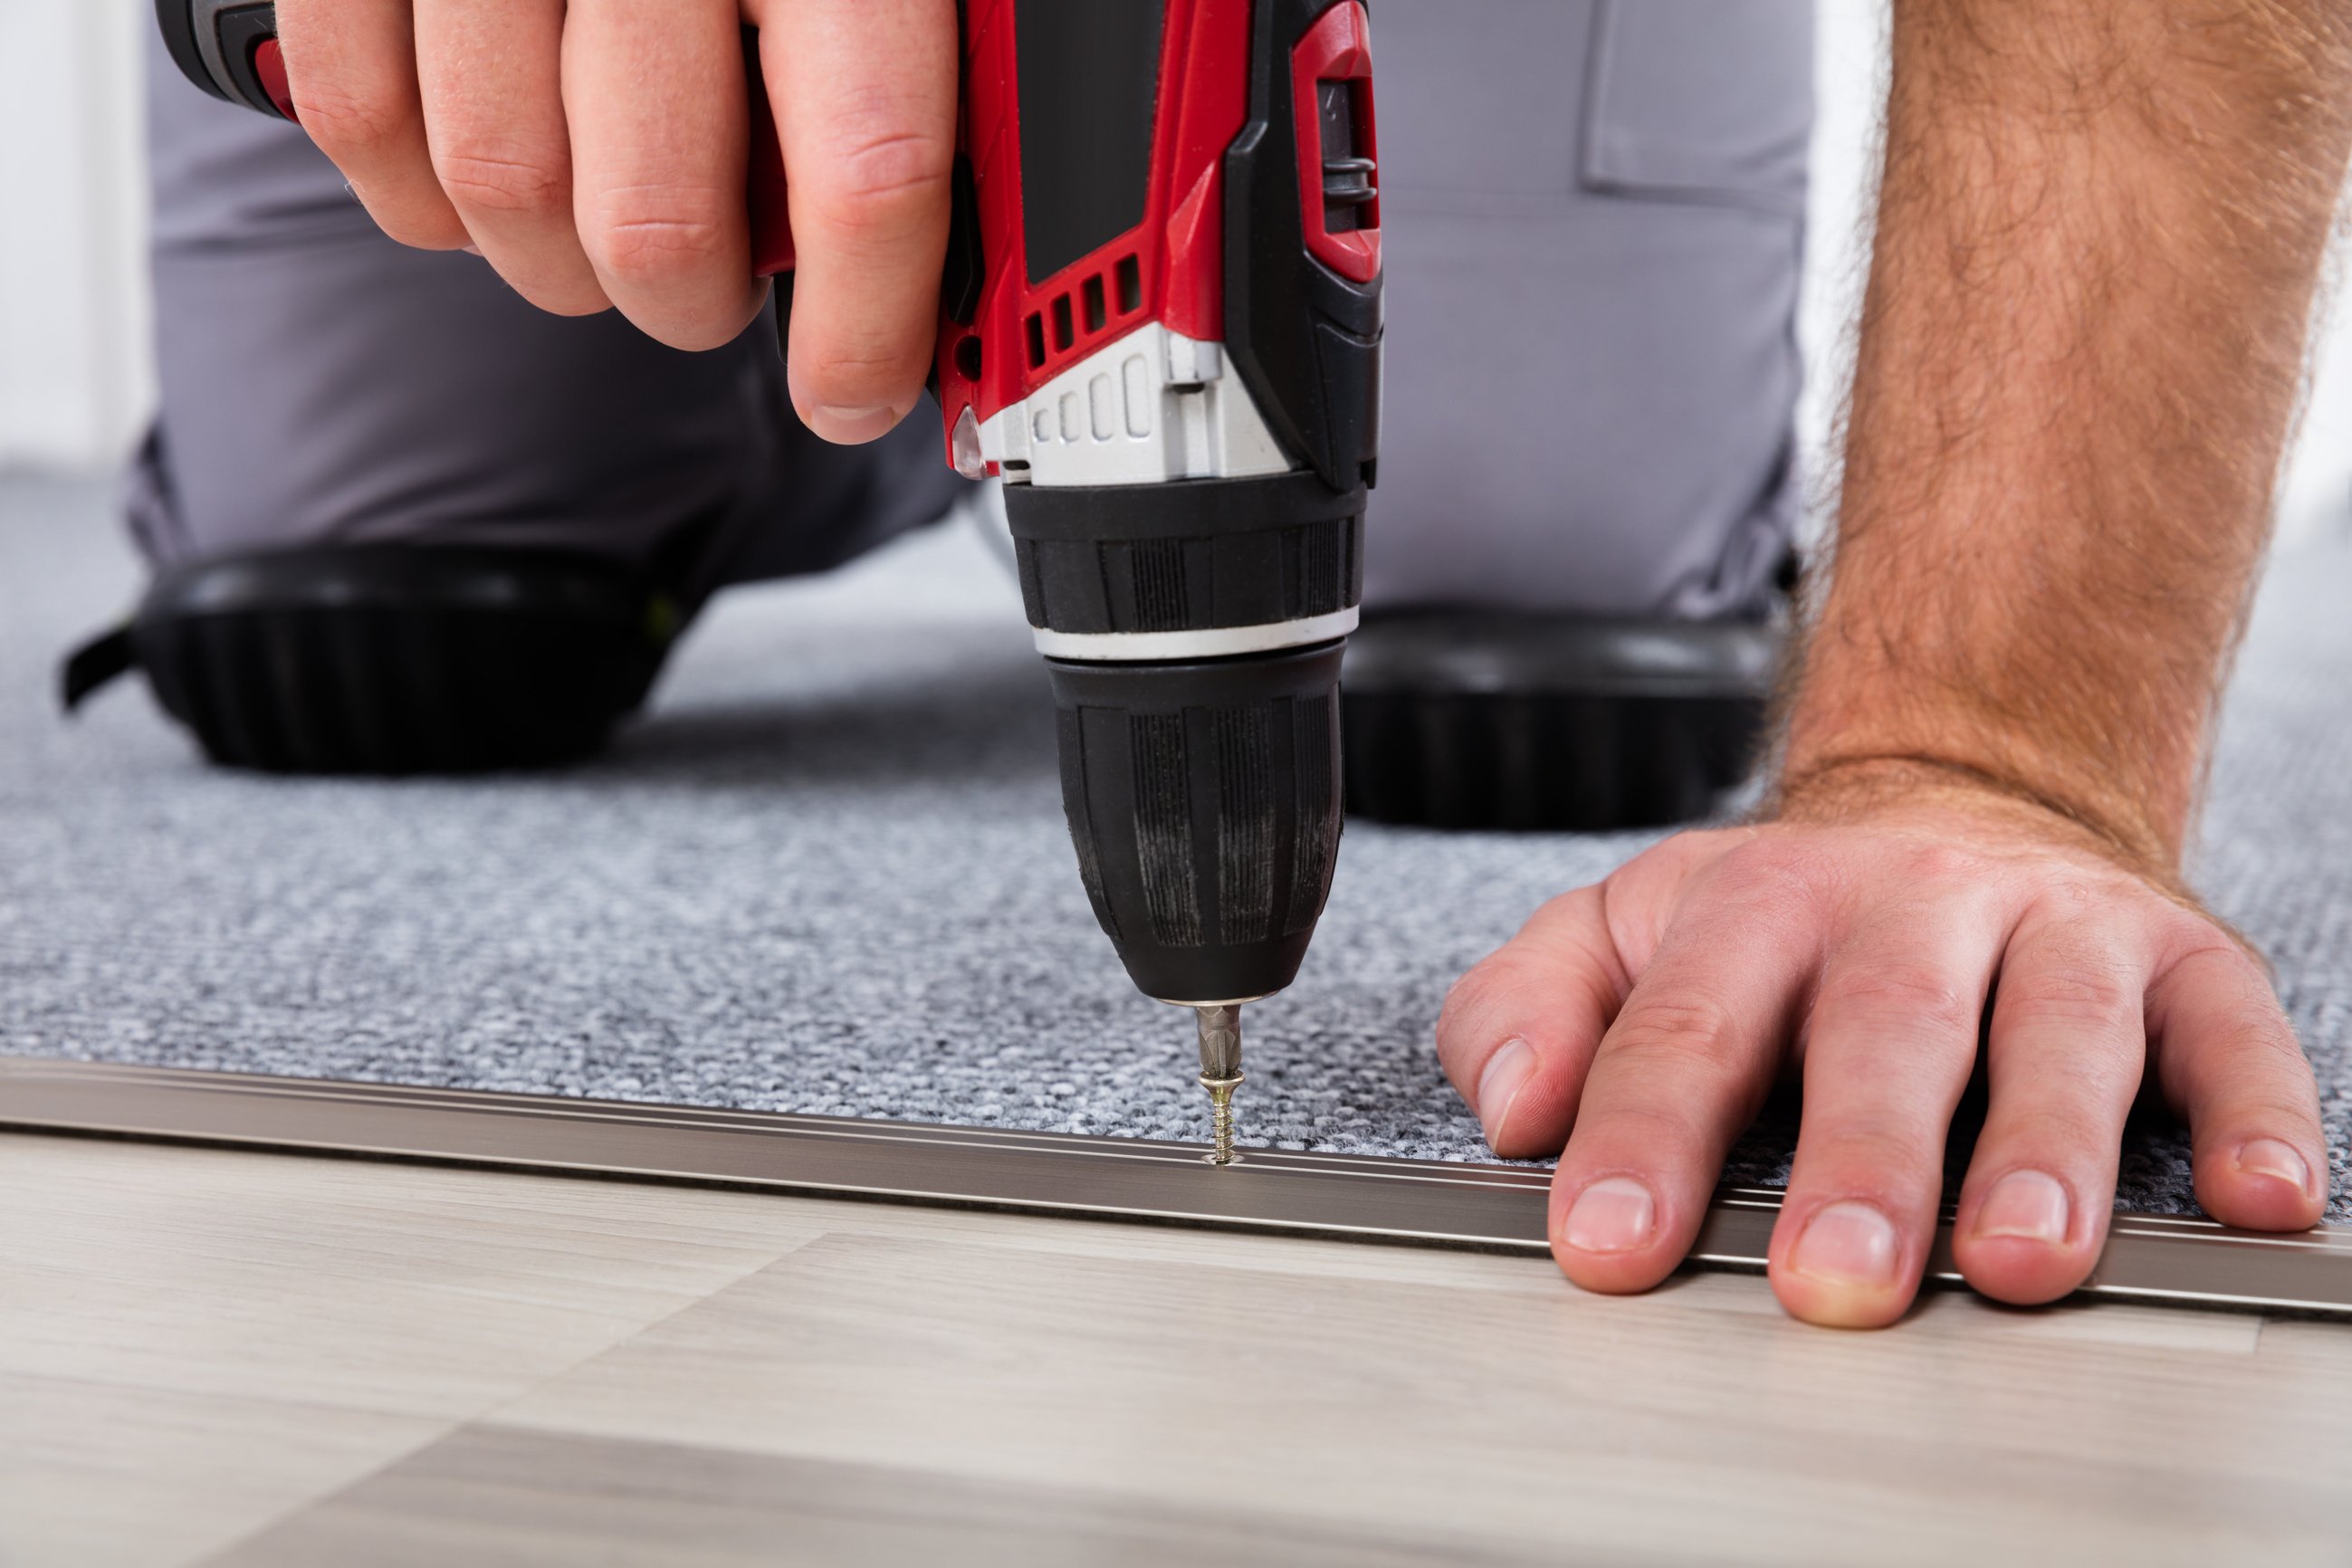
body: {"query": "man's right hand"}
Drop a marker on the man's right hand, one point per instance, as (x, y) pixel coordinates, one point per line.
(595, 154)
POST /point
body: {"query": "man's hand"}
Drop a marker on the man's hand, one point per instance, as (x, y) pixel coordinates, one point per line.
(1862, 937)
(2099, 226)
(594, 153)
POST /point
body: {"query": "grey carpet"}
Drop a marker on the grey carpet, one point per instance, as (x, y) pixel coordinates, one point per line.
(828, 873)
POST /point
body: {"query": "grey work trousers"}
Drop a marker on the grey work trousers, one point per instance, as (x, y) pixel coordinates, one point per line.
(1592, 213)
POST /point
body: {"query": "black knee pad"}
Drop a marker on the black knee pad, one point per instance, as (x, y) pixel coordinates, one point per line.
(1484, 719)
(393, 659)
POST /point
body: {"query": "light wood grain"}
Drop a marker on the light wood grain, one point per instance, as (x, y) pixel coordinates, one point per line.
(494, 1496)
(193, 1341)
(1509, 1423)
(99, 1473)
(335, 1281)
(302, 1360)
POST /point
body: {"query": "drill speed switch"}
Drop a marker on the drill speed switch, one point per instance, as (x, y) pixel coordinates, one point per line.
(1159, 322)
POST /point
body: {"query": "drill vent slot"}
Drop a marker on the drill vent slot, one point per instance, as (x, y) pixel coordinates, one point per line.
(1102, 301)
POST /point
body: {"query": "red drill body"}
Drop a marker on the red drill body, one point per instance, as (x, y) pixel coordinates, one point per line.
(1159, 323)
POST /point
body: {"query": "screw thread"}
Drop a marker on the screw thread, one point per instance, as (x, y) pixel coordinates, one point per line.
(1221, 1118)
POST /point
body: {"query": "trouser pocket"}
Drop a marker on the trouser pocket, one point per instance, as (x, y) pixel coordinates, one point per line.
(1700, 101)
(1592, 222)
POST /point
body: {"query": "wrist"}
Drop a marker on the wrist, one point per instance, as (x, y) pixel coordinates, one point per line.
(1892, 743)
(1835, 785)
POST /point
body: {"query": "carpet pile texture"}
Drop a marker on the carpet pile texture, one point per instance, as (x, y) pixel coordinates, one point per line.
(827, 873)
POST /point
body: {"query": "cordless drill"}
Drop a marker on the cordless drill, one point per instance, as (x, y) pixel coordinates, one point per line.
(1159, 322)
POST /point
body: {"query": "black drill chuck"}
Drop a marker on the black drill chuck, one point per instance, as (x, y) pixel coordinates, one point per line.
(1194, 632)
(1203, 799)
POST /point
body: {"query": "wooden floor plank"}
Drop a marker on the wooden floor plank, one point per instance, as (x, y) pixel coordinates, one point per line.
(289, 1358)
(1506, 1423)
(193, 1341)
(103, 1474)
(494, 1497)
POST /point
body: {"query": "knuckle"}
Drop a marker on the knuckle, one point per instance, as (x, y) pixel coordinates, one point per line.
(2073, 992)
(2261, 1052)
(1914, 993)
(1863, 1159)
(1780, 878)
(1936, 863)
(2231, 963)
(1463, 994)
(1657, 1131)
(2261, 1113)
(2231, 985)
(655, 234)
(1765, 860)
(2067, 901)
(1569, 911)
(1665, 864)
(848, 370)
(496, 179)
(882, 177)
(2284, 1113)
(859, 383)
(2054, 1132)
(1482, 998)
(1690, 1033)
(347, 124)
(1465, 1000)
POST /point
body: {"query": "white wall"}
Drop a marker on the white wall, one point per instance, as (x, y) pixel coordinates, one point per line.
(75, 383)
(2316, 496)
(1849, 67)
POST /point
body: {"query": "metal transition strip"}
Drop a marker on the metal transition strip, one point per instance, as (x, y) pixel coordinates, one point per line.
(1423, 1202)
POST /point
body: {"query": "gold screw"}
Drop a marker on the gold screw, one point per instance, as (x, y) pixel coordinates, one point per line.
(1221, 1074)
(1221, 1111)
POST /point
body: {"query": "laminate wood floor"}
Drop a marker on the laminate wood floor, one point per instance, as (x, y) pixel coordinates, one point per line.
(262, 1359)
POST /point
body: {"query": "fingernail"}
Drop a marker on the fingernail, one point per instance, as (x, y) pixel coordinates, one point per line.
(2028, 1203)
(1506, 1073)
(2269, 1157)
(850, 424)
(1613, 1215)
(1847, 1244)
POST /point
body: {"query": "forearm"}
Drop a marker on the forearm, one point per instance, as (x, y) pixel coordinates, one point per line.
(2100, 228)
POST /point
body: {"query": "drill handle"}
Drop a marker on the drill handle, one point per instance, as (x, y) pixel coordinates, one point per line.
(229, 49)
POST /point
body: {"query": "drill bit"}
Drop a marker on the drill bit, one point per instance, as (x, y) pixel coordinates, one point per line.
(1221, 1073)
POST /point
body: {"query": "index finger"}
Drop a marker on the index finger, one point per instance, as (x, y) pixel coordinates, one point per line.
(1685, 1067)
(864, 99)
